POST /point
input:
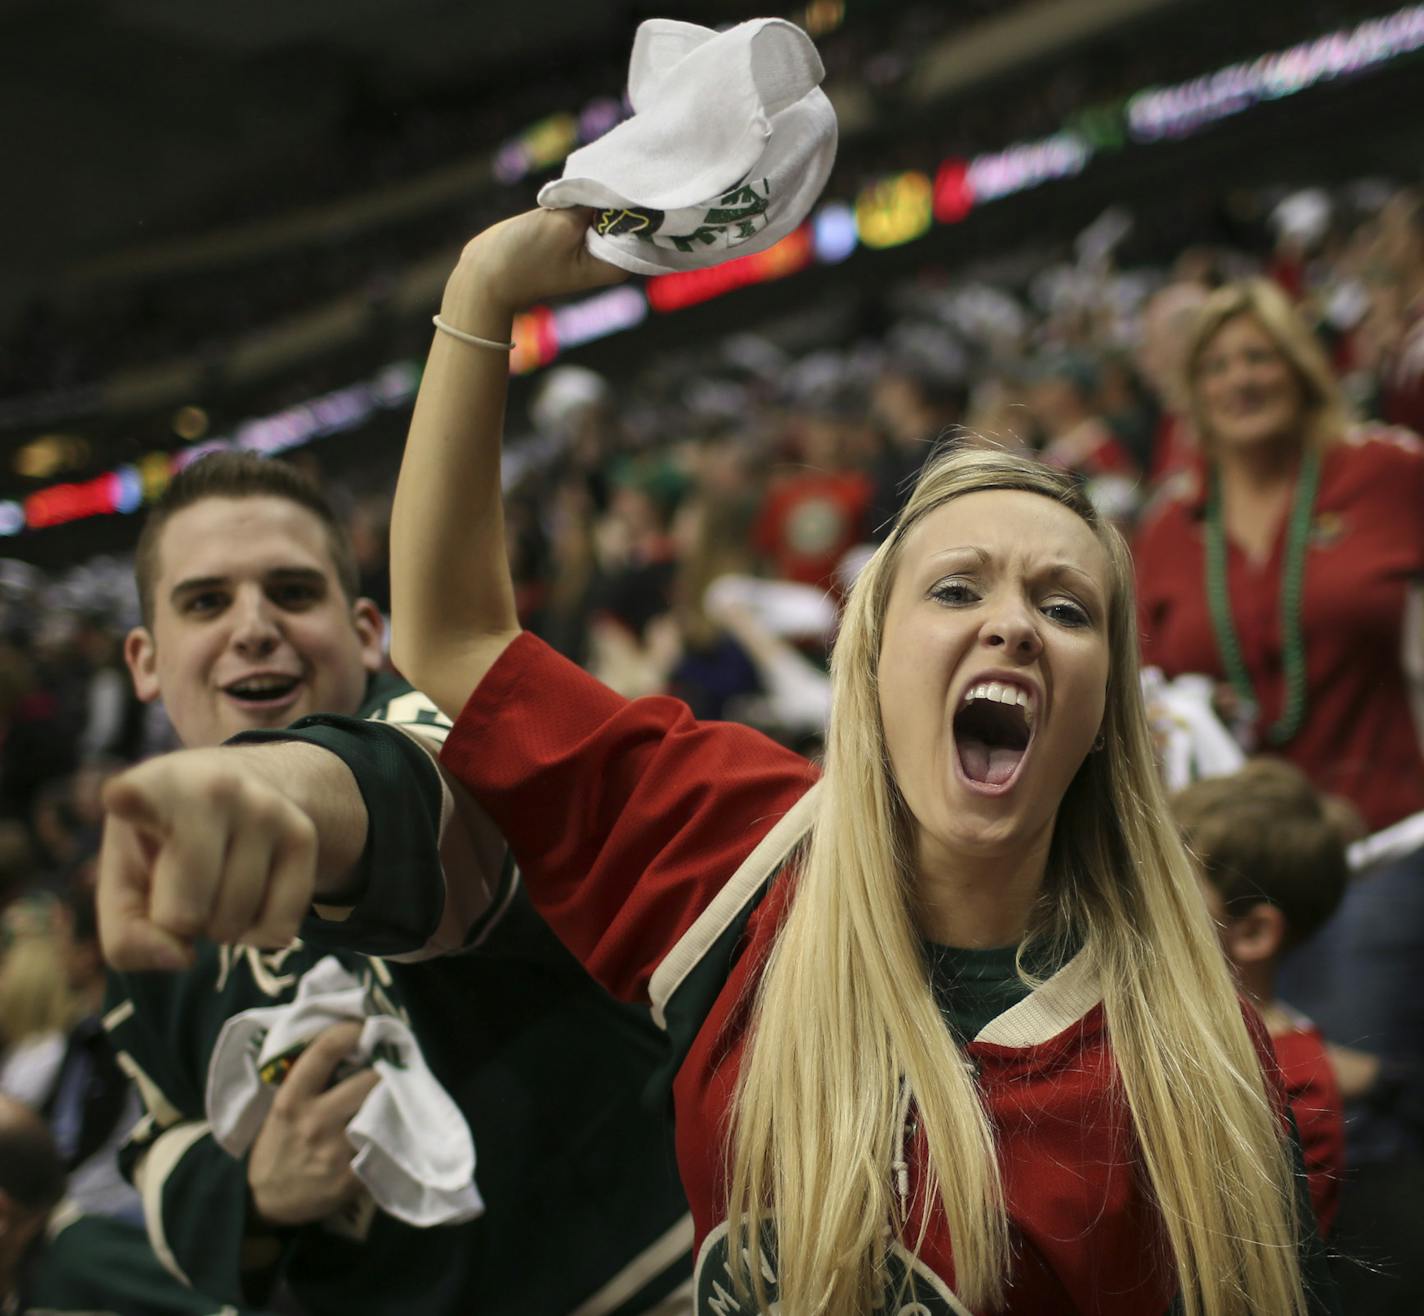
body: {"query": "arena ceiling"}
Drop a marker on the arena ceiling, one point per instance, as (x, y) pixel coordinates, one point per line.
(120, 113)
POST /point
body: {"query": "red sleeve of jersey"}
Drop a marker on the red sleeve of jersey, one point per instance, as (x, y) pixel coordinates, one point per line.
(625, 817)
(1319, 1114)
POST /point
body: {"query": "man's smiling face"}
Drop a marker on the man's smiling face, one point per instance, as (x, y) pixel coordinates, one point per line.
(250, 625)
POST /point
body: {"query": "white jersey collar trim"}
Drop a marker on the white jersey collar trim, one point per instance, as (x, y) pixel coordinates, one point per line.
(1044, 1013)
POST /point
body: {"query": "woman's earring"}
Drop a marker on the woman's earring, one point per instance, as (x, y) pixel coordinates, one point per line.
(1100, 742)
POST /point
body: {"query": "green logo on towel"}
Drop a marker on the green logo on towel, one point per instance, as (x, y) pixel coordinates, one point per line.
(737, 216)
(615, 223)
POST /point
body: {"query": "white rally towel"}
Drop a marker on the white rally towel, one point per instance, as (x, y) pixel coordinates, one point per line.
(730, 143)
(1191, 741)
(414, 1152)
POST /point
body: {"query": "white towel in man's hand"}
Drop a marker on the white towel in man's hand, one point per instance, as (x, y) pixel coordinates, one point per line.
(414, 1152)
(730, 144)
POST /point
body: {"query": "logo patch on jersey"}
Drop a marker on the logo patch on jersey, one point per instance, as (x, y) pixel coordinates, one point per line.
(263, 966)
(912, 1289)
(816, 525)
(274, 1072)
(1327, 530)
(412, 710)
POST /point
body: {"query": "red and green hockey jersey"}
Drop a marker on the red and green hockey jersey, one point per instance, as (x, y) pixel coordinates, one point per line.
(583, 1209)
(655, 844)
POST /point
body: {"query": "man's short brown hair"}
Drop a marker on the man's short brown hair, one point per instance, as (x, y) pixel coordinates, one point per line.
(1265, 834)
(231, 474)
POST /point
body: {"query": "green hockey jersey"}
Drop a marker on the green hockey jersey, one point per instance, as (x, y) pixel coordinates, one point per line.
(583, 1210)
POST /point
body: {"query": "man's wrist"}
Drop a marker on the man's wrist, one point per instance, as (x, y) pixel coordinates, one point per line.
(262, 1249)
(319, 782)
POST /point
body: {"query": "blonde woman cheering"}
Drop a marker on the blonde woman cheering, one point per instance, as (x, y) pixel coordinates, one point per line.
(953, 1030)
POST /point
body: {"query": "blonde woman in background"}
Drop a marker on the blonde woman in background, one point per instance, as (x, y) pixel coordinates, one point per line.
(952, 1030)
(1288, 562)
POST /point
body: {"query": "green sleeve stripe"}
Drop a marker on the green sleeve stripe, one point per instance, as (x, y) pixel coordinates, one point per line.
(150, 1176)
(731, 906)
(673, 1247)
(499, 903)
(155, 1100)
(476, 869)
(63, 1215)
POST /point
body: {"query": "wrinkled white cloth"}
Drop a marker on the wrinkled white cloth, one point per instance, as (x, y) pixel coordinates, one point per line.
(1384, 847)
(784, 608)
(414, 1152)
(1191, 739)
(762, 615)
(730, 143)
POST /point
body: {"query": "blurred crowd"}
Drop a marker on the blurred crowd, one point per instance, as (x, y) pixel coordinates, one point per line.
(70, 341)
(757, 461)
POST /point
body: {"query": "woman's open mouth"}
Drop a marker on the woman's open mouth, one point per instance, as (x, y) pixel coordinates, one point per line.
(992, 733)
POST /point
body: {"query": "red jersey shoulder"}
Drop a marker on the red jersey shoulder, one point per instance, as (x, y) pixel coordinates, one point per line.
(1302, 1057)
(1389, 445)
(1382, 468)
(1270, 1063)
(1171, 503)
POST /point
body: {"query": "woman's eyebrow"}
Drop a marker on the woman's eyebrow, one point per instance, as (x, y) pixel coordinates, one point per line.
(1055, 567)
(1086, 583)
(1068, 569)
(972, 550)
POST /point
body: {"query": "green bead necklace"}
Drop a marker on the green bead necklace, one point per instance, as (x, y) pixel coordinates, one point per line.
(1218, 595)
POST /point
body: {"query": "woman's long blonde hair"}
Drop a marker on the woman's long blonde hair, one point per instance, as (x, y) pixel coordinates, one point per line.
(846, 1022)
(1326, 413)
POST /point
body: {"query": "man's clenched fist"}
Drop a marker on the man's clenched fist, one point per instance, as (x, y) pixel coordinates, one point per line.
(200, 843)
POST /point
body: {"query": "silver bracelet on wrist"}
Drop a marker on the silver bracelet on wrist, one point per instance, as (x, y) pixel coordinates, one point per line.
(472, 339)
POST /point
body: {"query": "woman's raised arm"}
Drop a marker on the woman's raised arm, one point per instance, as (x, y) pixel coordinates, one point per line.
(452, 602)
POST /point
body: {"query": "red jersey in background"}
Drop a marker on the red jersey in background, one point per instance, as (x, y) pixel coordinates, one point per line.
(810, 521)
(1362, 618)
(1319, 1112)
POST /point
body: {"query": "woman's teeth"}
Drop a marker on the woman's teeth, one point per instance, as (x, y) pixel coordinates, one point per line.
(1002, 693)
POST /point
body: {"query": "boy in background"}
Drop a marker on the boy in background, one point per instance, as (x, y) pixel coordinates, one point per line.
(1273, 869)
